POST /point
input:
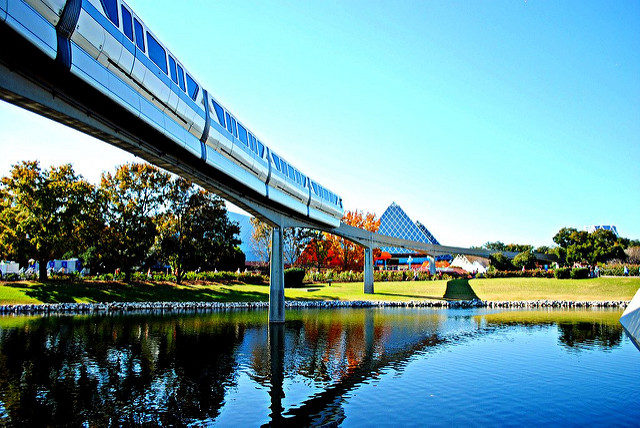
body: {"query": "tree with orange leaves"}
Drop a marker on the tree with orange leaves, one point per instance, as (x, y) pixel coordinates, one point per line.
(329, 251)
(350, 255)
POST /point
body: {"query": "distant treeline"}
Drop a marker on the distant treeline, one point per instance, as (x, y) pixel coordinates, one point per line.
(573, 246)
(138, 217)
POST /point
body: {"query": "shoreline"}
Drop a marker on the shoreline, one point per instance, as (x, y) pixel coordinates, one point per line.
(177, 307)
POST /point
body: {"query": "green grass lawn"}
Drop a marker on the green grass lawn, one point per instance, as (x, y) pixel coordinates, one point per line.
(485, 289)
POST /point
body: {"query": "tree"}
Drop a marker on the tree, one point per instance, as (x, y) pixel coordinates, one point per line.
(261, 239)
(174, 241)
(525, 259)
(543, 249)
(319, 250)
(605, 247)
(326, 250)
(495, 246)
(295, 240)
(633, 254)
(500, 261)
(46, 214)
(350, 256)
(513, 248)
(195, 232)
(134, 195)
(598, 246)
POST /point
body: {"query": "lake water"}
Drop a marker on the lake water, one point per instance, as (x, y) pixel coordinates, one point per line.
(351, 367)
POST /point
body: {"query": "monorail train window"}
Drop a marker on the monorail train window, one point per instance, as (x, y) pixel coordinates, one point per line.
(276, 160)
(229, 126)
(157, 54)
(192, 86)
(298, 177)
(111, 10)
(260, 149)
(252, 143)
(219, 112)
(127, 23)
(292, 174)
(234, 127)
(172, 70)
(181, 78)
(242, 134)
(137, 26)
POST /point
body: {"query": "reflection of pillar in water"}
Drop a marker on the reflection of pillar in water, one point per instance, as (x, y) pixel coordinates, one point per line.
(369, 333)
(276, 353)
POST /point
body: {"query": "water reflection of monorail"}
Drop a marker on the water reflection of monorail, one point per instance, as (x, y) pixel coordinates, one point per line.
(180, 369)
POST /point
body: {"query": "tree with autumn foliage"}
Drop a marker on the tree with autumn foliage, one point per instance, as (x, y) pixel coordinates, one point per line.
(350, 256)
(329, 251)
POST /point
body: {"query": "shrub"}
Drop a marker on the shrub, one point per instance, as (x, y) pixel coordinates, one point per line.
(11, 277)
(526, 259)
(252, 278)
(532, 273)
(562, 273)
(294, 277)
(580, 273)
(618, 269)
(500, 262)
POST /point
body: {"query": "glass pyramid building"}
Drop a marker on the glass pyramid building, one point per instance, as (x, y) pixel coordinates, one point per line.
(395, 222)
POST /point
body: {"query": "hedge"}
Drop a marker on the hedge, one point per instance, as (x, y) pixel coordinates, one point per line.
(244, 277)
(618, 270)
(562, 273)
(294, 278)
(532, 273)
(378, 276)
(580, 273)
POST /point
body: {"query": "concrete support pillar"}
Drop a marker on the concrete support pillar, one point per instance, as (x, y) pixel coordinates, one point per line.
(368, 270)
(432, 265)
(276, 283)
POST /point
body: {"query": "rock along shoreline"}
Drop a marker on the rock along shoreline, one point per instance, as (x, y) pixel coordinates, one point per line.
(169, 307)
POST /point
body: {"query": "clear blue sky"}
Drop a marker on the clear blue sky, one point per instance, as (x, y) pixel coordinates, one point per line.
(501, 120)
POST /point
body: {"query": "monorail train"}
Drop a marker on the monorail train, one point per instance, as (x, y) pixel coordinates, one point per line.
(107, 45)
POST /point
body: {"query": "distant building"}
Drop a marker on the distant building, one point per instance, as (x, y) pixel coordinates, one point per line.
(610, 227)
(471, 264)
(395, 222)
(7, 267)
(246, 230)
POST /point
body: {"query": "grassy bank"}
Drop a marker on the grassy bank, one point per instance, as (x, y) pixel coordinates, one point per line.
(485, 289)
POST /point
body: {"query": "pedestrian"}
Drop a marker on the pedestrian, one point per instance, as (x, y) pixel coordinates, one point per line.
(596, 271)
(626, 271)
